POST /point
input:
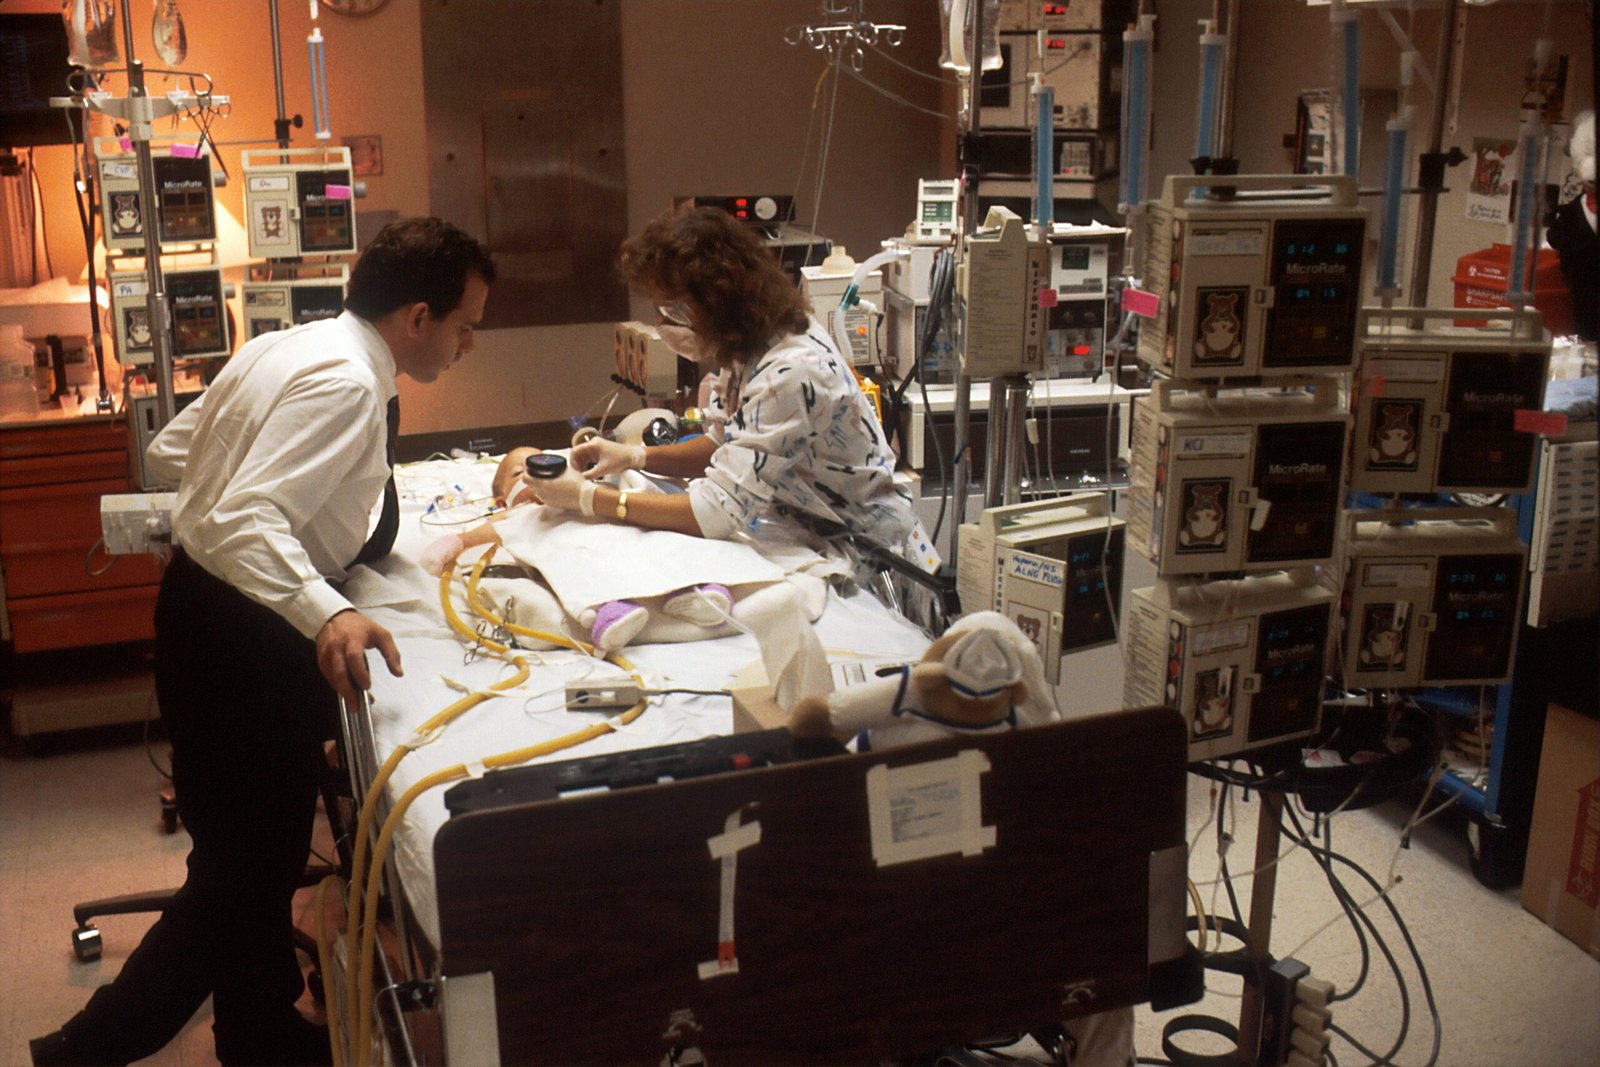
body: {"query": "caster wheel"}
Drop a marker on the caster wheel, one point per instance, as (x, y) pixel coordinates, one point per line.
(86, 943)
(1495, 858)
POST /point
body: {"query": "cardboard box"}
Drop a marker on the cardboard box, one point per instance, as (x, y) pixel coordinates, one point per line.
(1561, 882)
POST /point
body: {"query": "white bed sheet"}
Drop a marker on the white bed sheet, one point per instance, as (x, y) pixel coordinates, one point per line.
(399, 595)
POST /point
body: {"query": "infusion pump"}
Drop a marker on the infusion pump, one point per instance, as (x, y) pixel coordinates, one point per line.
(184, 197)
(1053, 567)
(1430, 596)
(1263, 285)
(1436, 406)
(196, 300)
(298, 201)
(998, 311)
(1247, 481)
(280, 295)
(1242, 660)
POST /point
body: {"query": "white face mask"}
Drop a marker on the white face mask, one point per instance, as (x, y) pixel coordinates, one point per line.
(682, 340)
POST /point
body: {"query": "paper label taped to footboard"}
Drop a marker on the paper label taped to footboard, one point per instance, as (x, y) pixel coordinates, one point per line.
(928, 809)
(471, 1019)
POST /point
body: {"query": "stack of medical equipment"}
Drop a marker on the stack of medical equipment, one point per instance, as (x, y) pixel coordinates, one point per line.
(1239, 460)
(185, 225)
(300, 216)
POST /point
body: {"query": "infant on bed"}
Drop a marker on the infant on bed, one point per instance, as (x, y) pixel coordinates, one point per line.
(623, 584)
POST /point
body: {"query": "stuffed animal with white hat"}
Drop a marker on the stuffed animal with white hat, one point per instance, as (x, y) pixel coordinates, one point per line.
(983, 675)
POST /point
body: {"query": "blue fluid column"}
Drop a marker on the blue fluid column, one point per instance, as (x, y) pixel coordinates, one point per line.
(1393, 187)
(1530, 156)
(1044, 171)
(319, 85)
(1135, 111)
(1211, 55)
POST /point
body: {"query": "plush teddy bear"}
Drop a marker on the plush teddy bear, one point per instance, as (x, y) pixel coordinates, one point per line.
(983, 675)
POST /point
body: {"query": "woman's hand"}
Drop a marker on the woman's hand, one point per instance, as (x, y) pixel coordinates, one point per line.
(598, 458)
(559, 492)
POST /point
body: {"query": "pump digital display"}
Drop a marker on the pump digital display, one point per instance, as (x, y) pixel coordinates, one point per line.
(1093, 584)
(1316, 270)
(183, 196)
(308, 303)
(198, 326)
(1475, 602)
(326, 221)
(1297, 474)
(1289, 658)
(1075, 257)
(1486, 389)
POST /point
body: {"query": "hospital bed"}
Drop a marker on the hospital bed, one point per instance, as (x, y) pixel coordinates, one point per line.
(534, 926)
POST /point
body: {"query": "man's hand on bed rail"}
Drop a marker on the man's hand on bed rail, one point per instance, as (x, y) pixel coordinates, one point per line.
(342, 645)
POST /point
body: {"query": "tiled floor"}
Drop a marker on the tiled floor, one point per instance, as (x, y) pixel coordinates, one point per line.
(77, 825)
(85, 822)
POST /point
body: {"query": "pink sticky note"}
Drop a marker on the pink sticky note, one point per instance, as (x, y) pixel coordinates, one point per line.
(125, 143)
(1048, 298)
(1548, 423)
(336, 192)
(185, 151)
(1141, 303)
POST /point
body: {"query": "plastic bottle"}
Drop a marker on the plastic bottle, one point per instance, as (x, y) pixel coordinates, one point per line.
(19, 399)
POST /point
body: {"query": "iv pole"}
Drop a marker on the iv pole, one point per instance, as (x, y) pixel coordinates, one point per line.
(140, 110)
(141, 115)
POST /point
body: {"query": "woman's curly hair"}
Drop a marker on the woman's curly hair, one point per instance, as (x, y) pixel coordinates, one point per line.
(721, 265)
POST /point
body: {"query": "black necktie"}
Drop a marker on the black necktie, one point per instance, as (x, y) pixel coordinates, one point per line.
(382, 539)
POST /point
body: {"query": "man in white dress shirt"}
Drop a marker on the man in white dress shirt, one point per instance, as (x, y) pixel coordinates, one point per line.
(280, 468)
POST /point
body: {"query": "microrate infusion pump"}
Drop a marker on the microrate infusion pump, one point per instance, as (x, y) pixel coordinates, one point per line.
(299, 201)
(280, 295)
(1436, 406)
(1240, 482)
(1429, 597)
(184, 196)
(1262, 285)
(1241, 660)
(195, 299)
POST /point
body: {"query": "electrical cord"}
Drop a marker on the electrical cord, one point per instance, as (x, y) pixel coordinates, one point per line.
(1325, 857)
(827, 145)
(44, 222)
(893, 96)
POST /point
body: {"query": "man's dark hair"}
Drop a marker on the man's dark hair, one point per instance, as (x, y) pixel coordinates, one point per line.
(421, 260)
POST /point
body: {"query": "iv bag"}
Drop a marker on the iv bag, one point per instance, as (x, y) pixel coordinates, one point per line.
(956, 34)
(167, 32)
(91, 32)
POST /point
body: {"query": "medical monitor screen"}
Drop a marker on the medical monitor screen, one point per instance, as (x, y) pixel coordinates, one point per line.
(309, 303)
(1289, 653)
(33, 68)
(183, 193)
(1475, 602)
(1316, 270)
(325, 215)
